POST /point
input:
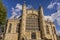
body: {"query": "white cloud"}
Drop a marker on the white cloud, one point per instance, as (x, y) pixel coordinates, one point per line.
(13, 14)
(58, 32)
(56, 15)
(58, 3)
(19, 6)
(16, 12)
(29, 7)
(58, 20)
(18, 15)
(51, 5)
(48, 18)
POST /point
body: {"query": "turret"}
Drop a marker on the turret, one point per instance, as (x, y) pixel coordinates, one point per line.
(23, 17)
(23, 21)
(41, 20)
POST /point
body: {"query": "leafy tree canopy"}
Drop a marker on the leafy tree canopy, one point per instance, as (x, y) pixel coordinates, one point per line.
(2, 13)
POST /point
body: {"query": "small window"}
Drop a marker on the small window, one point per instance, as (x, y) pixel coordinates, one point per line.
(47, 29)
(18, 27)
(33, 35)
(9, 30)
(54, 30)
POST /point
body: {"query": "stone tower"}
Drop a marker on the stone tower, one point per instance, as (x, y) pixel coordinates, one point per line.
(32, 25)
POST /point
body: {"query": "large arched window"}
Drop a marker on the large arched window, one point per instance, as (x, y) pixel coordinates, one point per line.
(32, 22)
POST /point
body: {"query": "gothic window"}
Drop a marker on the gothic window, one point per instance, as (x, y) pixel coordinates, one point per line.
(9, 30)
(32, 22)
(33, 35)
(47, 29)
(18, 27)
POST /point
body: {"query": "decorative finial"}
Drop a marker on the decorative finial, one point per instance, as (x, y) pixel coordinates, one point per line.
(40, 6)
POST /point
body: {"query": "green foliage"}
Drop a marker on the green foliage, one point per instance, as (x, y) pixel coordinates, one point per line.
(0, 0)
(2, 14)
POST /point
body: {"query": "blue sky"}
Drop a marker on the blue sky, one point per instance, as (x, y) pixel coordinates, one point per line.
(12, 3)
(49, 6)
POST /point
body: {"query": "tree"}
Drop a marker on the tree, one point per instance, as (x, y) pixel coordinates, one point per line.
(3, 14)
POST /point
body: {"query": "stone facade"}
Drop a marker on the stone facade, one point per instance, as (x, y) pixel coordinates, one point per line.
(30, 26)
